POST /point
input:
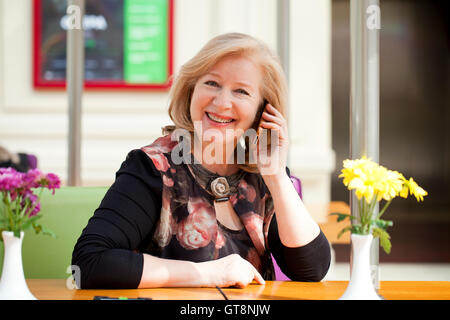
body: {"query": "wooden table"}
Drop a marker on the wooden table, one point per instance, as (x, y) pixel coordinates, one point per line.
(55, 289)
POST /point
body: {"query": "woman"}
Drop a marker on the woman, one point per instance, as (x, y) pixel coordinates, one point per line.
(209, 220)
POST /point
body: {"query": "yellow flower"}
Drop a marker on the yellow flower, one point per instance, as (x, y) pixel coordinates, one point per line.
(354, 169)
(362, 175)
(404, 192)
(392, 183)
(374, 183)
(417, 191)
(361, 189)
(370, 179)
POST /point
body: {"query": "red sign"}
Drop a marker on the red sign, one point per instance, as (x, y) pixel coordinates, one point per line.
(128, 44)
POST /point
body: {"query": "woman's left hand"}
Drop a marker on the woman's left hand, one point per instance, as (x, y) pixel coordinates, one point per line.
(272, 162)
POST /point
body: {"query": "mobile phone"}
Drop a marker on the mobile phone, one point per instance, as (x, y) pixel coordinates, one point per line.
(258, 118)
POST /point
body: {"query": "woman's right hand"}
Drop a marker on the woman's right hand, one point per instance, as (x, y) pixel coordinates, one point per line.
(233, 270)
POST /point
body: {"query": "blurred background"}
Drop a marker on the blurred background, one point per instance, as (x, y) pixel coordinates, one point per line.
(132, 47)
(414, 120)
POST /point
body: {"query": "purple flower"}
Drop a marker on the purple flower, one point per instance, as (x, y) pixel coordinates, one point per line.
(32, 202)
(53, 182)
(33, 178)
(7, 170)
(10, 179)
(16, 189)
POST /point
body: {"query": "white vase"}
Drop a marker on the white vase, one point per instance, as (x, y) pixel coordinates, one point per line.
(12, 283)
(360, 286)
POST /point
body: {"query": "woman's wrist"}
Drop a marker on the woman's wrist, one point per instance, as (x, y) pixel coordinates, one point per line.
(274, 182)
(159, 272)
(208, 273)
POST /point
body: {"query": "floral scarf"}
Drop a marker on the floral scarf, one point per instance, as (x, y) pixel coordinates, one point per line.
(188, 228)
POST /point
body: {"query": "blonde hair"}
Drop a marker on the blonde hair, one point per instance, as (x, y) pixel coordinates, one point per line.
(273, 88)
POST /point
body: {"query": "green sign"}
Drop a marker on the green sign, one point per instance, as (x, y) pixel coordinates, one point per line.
(145, 41)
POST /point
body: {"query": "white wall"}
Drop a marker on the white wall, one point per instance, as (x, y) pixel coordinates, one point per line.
(113, 123)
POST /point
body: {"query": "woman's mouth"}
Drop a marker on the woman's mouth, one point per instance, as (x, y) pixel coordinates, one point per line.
(218, 120)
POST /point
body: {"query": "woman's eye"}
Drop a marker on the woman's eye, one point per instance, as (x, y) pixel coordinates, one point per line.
(212, 83)
(242, 91)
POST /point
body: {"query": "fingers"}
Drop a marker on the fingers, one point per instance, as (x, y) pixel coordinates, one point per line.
(256, 275)
(274, 113)
(258, 278)
(273, 119)
(246, 273)
(271, 125)
(274, 110)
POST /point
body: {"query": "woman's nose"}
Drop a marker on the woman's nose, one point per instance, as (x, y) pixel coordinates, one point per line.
(223, 100)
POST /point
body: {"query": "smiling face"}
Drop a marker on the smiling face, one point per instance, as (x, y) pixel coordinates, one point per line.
(227, 97)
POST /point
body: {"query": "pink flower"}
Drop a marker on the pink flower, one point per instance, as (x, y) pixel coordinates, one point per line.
(53, 182)
(160, 162)
(31, 201)
(233, 199)
(160, 145)
(253, 221)
(16, 189)
(248, 191)
(34, 177)
(200, 227)
(220, 240)
(254, 225)
(10, 179)
(167, 181)
(13, 194)
(166, 225)
(7, 170)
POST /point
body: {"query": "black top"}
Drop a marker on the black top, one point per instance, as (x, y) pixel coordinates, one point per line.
(109, 251)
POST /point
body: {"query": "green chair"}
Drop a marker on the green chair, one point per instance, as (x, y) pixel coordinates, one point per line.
(65, 213)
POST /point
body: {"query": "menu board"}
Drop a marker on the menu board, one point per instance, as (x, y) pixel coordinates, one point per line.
(128, 43)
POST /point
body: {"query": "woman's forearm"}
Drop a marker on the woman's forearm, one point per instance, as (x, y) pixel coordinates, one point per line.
(296, 227)
(158, 272)
(231, 270)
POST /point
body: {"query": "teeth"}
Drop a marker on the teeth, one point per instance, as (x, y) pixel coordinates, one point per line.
(218, 119)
